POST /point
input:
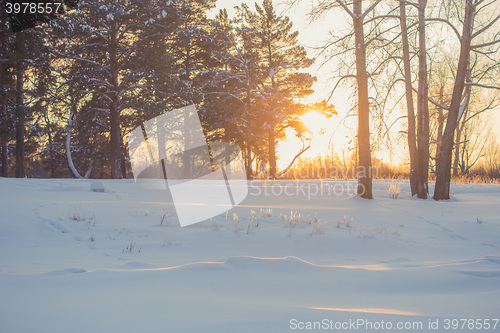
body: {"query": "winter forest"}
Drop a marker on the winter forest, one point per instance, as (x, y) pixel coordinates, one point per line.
(72, 88)
(275, 166)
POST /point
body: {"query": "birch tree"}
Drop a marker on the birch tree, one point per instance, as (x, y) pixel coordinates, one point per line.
(478, 37)
(358, 15)
(418, 133)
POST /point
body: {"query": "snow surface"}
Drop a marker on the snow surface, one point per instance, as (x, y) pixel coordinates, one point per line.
(72, 260)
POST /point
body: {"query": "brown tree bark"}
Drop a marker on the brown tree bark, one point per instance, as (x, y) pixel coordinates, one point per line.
(114, 109)
(272, 152)
(248, 103)
(115, 137)
(422, 107)
(443, 178)
(4, 171)
(4, 137)
(412, 141)
(458, 144)
(20, 115)
(364, 150)
(441, 118)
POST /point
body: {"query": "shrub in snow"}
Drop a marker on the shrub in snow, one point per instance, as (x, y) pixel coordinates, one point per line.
(97, 186)
(394, 191)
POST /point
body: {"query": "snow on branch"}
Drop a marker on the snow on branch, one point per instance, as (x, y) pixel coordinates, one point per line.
(480, 31)
(347, 10)
(372, 7)
(447, 22)
(482, 85)
(303, 150)
(473, 47)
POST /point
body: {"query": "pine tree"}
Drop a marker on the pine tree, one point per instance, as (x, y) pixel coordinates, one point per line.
(280, 60)
(24, 64)
(31, 14)
(191, 46)
(224, 111)
(7, 120)
(112, 39)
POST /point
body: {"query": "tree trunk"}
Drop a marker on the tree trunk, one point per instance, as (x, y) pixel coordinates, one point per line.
(364, 150)
(463, 110)
(124, 157)
(457, 150)
(115, 138)
(272, 152)
(4, 137)
(114, 110)
(4, 171)
(249, 131)
(422, 107)
(69, 132)
(443, 178)
(5, 160)
(20, 121)
(439, 142)
(412, 142)
(52, 156)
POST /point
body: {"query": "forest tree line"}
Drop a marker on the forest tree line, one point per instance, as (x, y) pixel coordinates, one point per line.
(73, 89)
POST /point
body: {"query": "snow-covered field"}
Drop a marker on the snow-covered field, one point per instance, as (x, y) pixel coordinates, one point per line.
(305, 259)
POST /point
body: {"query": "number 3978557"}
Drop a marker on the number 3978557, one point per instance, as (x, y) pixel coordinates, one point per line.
(32, 7)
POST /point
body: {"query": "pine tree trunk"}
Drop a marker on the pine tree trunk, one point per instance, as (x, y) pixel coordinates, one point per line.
(114, 109)
(412, 141)
(249, 131)
(115, 141)
(124, 157)
(20, 121)
(5, 160)
(443, 178)
(4, 137)
(272, 152)
(52, 156)
(422, 107)
(364, 168)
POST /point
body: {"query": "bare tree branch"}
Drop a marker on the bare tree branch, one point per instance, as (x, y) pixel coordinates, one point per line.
(371, 8)
(281, 173)
(482, 85)
(473, 47)
(480, 31)
(455, 30)
(344, 6)
(338, 82)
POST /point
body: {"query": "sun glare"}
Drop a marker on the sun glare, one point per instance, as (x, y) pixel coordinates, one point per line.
(321, 128)
(315, 122)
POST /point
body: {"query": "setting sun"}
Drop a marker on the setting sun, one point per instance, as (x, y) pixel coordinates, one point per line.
(321, 130)
(315, 122)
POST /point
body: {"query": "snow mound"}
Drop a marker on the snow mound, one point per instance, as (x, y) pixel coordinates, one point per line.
(97, 186)
(66, 271)
(138, 265)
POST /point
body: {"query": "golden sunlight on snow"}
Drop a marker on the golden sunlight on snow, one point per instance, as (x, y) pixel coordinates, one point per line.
(371, 310)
